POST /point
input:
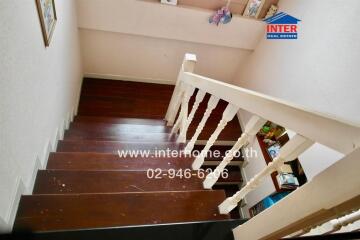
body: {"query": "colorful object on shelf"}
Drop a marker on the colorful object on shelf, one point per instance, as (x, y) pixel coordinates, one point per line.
(271, 131)
(271, 200)
(267, 202)
(266, 129)
(271, 12)
(222, 15)
(274, 150)
(287, 181)
(253, 8)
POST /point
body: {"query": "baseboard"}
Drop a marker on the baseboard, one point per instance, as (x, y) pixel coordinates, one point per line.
(6, 223)
(40, 163)
(15, 199)
(37, 166)
(46, 153)
(3, 226)
(130, 78)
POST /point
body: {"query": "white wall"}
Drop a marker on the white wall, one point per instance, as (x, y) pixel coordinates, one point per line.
(125, 56)
(320, 70)
(145, 40)
(169, 22)
(39, 90)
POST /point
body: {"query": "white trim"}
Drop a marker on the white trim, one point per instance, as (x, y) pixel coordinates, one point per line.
(129, 78)
(46, 152)
(68, 120)
(55, 139)
(6, 223)
(3, 226)
(37, 165)
(40, 163)
(15, 199)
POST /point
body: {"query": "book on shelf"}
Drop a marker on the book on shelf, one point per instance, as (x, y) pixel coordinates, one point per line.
(287, 181)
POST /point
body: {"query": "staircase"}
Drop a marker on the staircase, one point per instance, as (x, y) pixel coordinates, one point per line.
(90, 190)
(87, 185)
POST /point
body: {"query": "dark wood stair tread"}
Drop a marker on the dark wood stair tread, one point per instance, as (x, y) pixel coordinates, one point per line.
(100, 97)
(130, 137)
(107, 161)
(114, 120)
(110, 128)
(221, 152)
(113, 146)
(234, 174)
(81, 211)
(70, 182)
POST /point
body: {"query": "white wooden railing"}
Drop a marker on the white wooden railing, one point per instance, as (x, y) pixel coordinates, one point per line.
(310, 127)
(332, 226)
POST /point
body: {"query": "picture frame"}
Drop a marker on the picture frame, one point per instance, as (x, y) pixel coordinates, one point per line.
(48, 18)
(253, 8)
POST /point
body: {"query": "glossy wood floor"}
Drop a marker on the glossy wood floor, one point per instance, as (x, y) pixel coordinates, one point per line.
(88, 185)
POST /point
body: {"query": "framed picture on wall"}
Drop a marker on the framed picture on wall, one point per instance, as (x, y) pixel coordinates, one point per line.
(47, 15)
(253, 8)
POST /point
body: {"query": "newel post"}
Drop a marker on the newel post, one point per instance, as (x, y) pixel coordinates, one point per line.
(188, 65)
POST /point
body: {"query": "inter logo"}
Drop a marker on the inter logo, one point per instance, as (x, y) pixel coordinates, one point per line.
(282, 26)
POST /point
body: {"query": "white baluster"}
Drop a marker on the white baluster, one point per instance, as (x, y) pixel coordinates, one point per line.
(291, 150)
(176, 126)
(199, 97)
(251, 128)
(213, 101)
(188, 65)
(334, 225)
(189, 90)
(228, 114)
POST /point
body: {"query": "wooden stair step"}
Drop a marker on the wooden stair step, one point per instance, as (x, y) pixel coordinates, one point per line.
(101, 97)
(114, 120)
(81, 211)
(106, 161)
(114, 129)
(121, 106)
(221, 151)
(128, 137)
(232, 130)
(136, 90)
(230, 190)
(70, 182)
(234, 174)
(113, 146)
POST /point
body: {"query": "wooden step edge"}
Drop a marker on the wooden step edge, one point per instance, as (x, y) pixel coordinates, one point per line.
(79, 211)
(118, 120)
